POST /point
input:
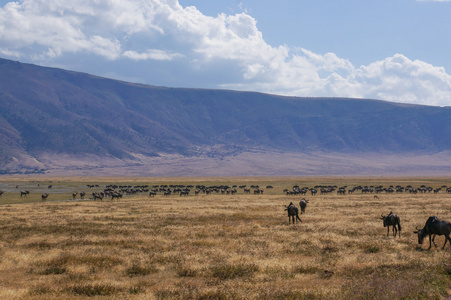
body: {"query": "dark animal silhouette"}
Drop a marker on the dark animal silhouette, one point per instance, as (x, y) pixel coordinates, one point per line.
(293, 213)
(24, 193)
(303, 205)
(97, 196)
(82, 195)
(74, 195)
(116, 195)
(1, 193)
(392, 220)
(434, 226)
(44, 196)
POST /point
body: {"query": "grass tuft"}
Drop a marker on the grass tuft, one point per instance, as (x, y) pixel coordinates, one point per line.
(230, 271)
(54, 271)
(371, 248)
(91, 290)
(187, 272)
(137, 270)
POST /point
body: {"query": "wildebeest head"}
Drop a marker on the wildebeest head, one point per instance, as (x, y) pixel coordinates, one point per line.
(421, 234)
(387, 220)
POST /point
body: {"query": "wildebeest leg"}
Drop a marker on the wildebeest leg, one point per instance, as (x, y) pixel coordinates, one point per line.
(388, 230)
(433, 240)
(297, 217)
(430, 245)
(446, 239)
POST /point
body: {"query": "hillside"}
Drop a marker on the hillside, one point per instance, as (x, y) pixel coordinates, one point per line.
(54, 119)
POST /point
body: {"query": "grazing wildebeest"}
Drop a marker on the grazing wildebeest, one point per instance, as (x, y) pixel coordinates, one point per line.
(1, 193)
(392, 220)
(116, 195)
(82, 195)
(303, 205)
(184, 192)
(152, 193)
(44, 196)
(434, 227)
(74, 195)
(24, 193)
(97, 196)
(293, 212)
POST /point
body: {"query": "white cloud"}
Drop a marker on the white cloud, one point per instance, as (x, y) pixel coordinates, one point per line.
(152, 54)
(192, 45)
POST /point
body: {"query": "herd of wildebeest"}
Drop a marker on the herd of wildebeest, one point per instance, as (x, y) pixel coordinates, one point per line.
(433, 227)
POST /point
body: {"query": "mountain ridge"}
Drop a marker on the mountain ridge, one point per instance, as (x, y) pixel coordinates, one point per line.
(49, 112)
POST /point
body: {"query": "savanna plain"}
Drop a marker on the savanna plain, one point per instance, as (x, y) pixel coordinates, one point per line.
(219, 246)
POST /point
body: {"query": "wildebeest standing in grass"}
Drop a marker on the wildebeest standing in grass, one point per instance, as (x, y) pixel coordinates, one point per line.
(303, 205)
(44, 196)
(293, 213)
(434, 227)
(392, 220)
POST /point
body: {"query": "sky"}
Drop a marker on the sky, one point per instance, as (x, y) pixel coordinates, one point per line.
(393, 50)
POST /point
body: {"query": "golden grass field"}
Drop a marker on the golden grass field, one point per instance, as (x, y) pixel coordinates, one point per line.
(218, 246)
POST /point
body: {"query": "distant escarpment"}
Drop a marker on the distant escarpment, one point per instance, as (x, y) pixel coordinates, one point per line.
(51, 116)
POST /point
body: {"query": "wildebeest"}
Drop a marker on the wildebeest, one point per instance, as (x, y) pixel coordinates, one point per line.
(97, 196)
(434, 227)
(184, 192)
(392, 220)
(44, 196)
(303, 205)
(116, 195)
(24, 193)
(1, 193)
(293, 212)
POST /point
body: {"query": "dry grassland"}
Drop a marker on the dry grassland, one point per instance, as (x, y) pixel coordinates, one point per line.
(220, 246)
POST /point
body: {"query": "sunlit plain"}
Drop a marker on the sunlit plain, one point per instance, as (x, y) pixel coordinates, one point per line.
(219, 246)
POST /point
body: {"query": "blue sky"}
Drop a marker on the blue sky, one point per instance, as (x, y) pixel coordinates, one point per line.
(395, 50)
